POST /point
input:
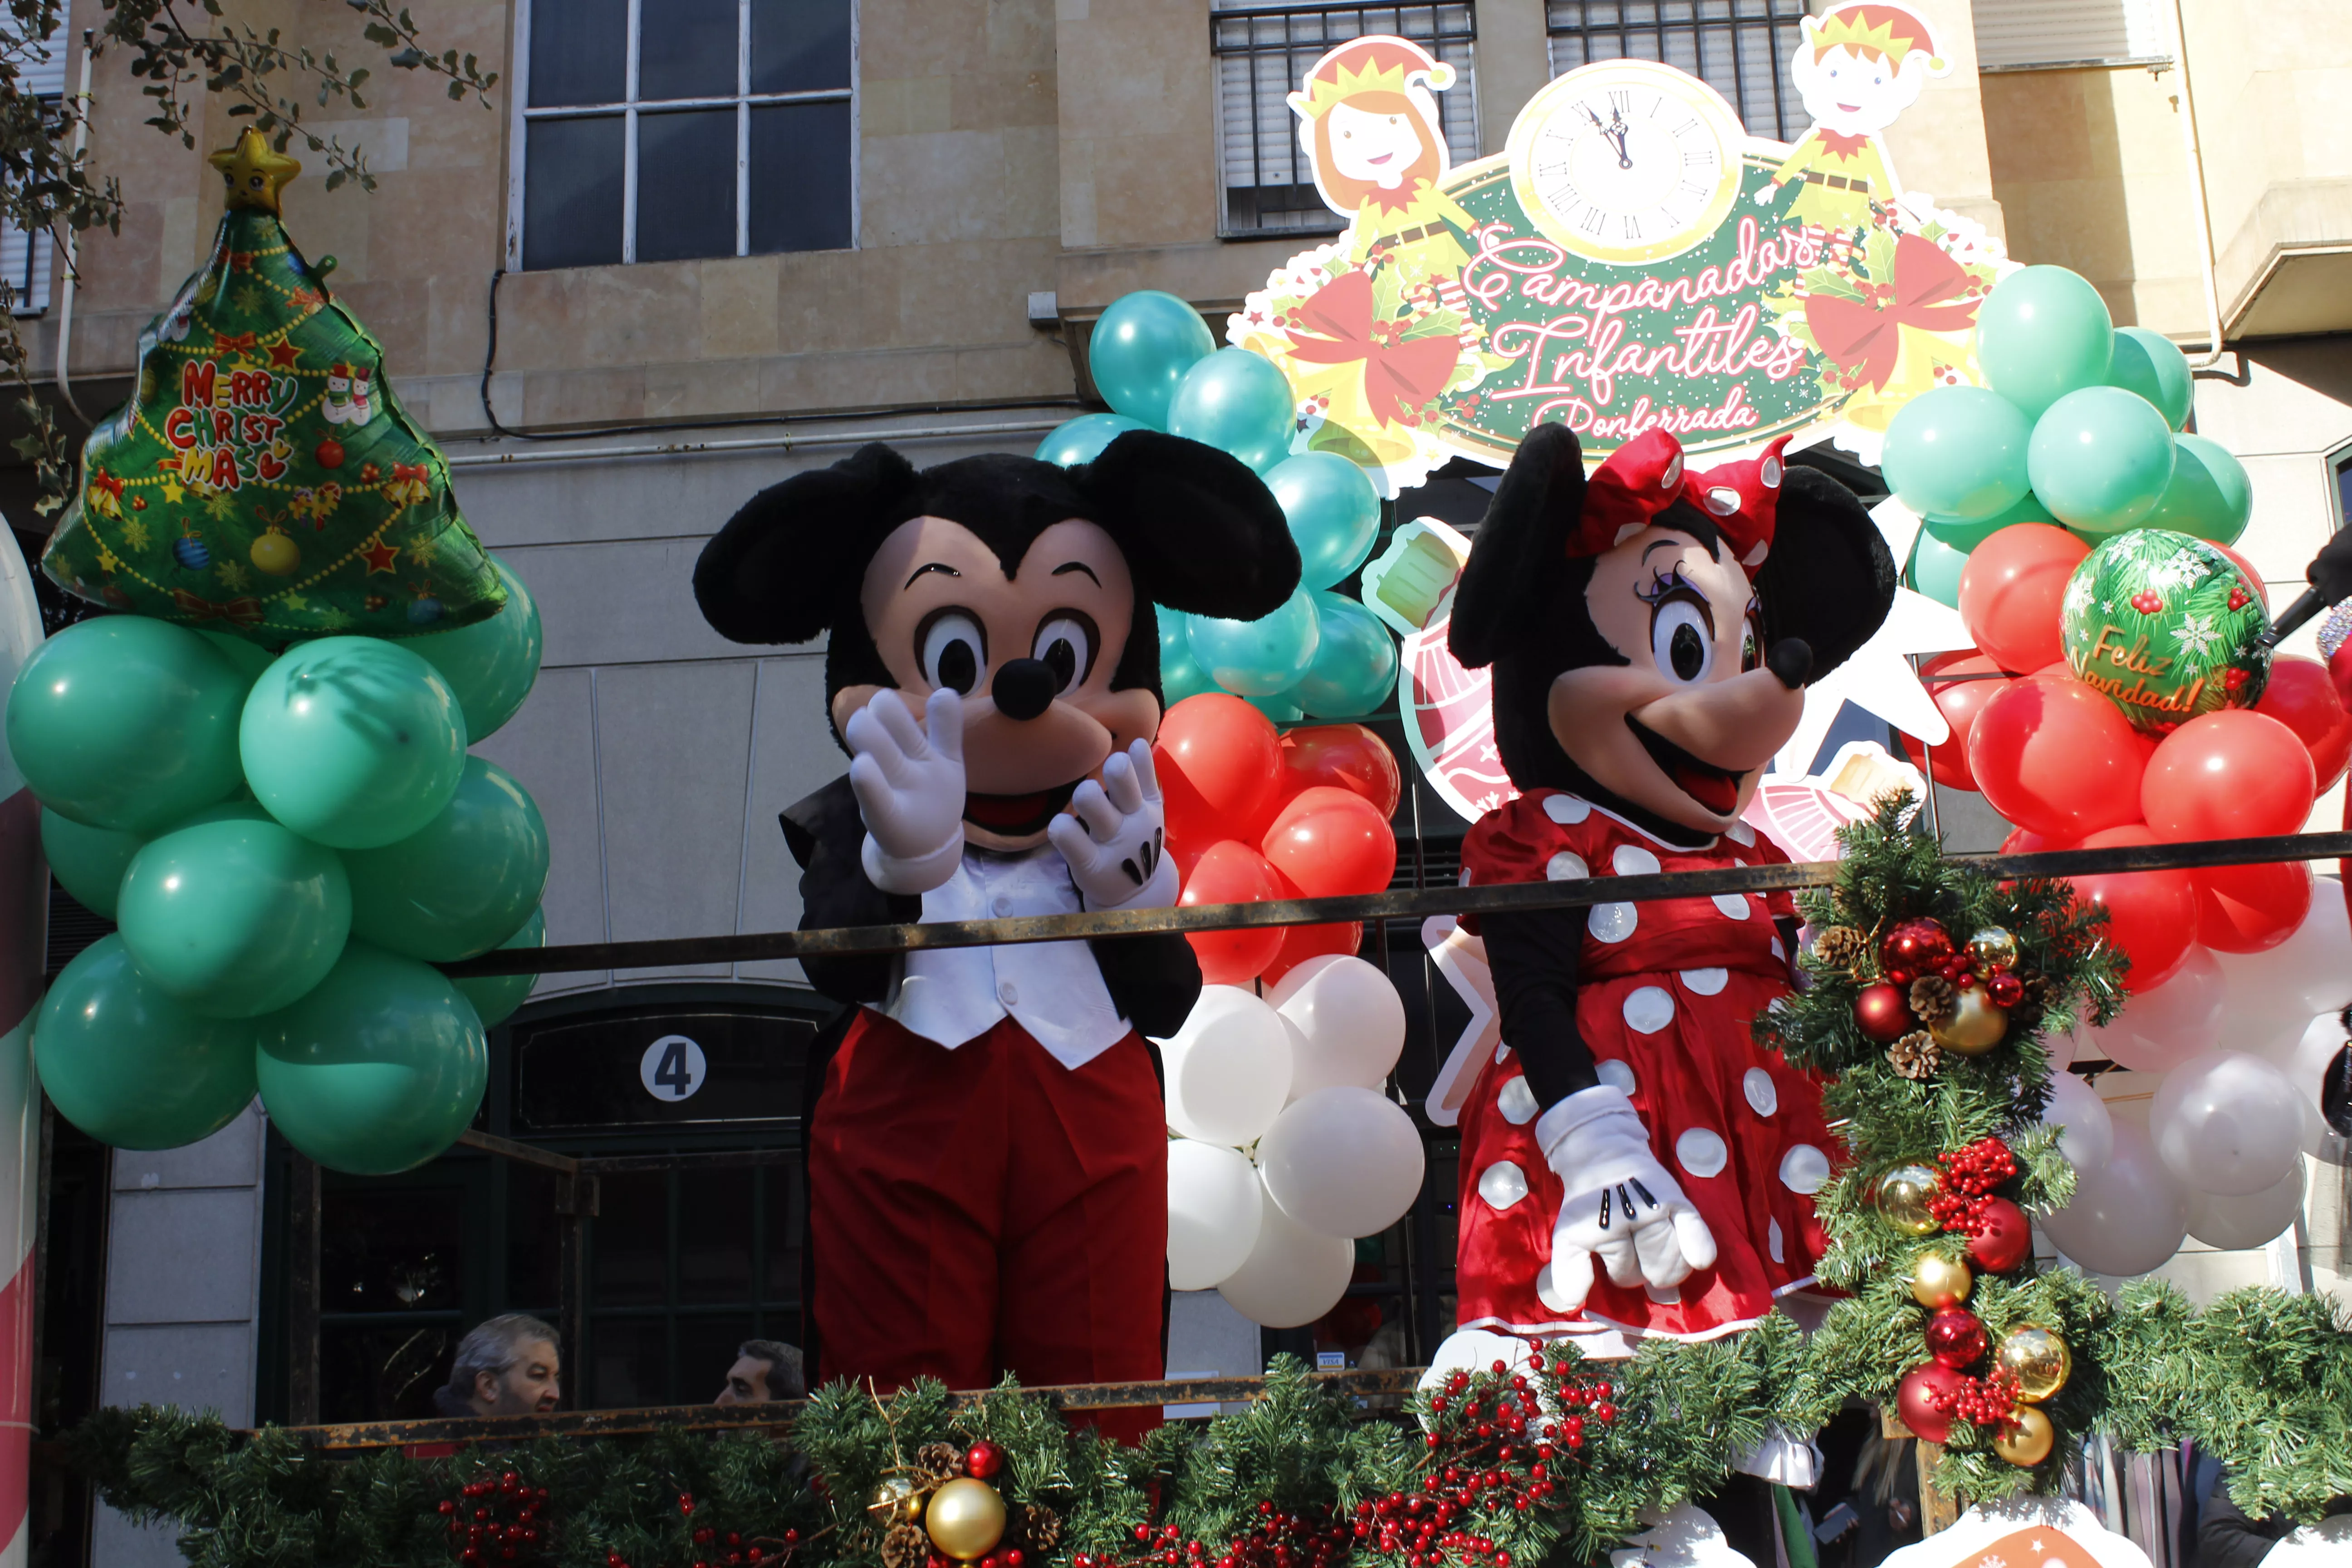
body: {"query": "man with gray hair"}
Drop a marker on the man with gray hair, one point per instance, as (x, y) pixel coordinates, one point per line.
(764, 1370)
(506, 1366)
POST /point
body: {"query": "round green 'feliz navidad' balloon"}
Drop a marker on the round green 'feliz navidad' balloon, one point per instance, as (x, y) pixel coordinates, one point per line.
(2167, 626)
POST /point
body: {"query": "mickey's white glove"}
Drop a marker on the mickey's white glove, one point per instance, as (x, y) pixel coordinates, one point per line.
(1621, 1205)
(1114, 837)
(909, 787)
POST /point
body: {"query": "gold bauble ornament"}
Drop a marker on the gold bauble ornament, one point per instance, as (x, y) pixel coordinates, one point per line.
(1974, 1026)
(2027, 1438)
(966, 1519)
(2038, 1359)
(896, 1499)
(1903, 1194)
(1940, 1281)
(1993, 948)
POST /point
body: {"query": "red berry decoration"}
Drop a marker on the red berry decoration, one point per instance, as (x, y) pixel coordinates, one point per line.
(1955, 1339)
(2003, 1237)
(2147, 603)
(1916, 1401)
(1922, 946)
(983, 1460)
(1883, 1014)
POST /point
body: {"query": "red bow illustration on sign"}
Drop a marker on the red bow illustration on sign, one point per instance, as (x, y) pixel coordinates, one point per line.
(1868, 332)
(240, 343)
(1399, 373)
(243, 611)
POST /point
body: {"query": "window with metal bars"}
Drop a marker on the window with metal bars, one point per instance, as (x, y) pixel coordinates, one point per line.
(1262, 52)
(668, 129)
(1739, 47)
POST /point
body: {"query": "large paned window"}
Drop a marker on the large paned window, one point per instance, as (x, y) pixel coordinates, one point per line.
(667, 130)
(25, 260)
(1739, 47)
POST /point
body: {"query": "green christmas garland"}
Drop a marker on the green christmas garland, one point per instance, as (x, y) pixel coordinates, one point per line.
(1554, 1460)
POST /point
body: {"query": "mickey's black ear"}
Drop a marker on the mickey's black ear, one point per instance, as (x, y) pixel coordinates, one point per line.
(1201, 531)
(1520, 551)
(784, 564)
(1830, 578)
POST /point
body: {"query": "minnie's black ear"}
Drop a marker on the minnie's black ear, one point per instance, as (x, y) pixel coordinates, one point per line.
(1201, 531)
(1829, 579)
(783, 566)
(1520, 551)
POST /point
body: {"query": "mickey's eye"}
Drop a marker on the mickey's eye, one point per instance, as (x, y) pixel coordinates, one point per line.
(951, 649)
(1066, 644)
(1679, 640)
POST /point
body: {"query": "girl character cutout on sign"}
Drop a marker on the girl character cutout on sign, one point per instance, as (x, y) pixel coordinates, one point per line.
(1371, 134)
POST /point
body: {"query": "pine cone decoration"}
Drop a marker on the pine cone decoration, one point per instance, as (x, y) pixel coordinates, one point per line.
(905, 1547)
(1931, 999)
(1915, 1056)
(936, 1464)
(1041, 1526)
(1839, 947)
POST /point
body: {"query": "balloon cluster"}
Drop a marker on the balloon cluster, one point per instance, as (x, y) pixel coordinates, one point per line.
(287, 845)
(1322, 654)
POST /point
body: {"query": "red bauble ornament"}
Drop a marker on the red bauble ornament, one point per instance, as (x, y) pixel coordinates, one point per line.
(1883, 1014)
(329, 453)
(2003, 1238)
(1921, 946)
(983, 1460)
(2005, 990)
(1913, 1402)
(1955, 1339)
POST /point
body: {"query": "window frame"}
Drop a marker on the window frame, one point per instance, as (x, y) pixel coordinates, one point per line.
(2338, 460)
(630, 107)
(1788, 106)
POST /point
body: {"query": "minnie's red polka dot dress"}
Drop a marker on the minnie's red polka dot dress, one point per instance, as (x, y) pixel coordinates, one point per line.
(1665, 991)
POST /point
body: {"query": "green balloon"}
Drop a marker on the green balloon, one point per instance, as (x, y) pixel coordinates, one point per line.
(496, 997)
(1181, 675)
(87, 862)
(1259, 657)
(2151, 365)
(1236, 402)
(130, 1066)
(1957, 452)
(1935, 569)
(249, 659)
(127, 723)
(1355, 663)
(1139, 350)
(462, 884)
(376, 1071)
(235, 919)
(2166, 627)
(2210, 496)
(2101, 458)
(1282, 707)
(2041, 333)
(1081, 440)
(1966, 536)
(1333, 512)
(492, 664)
(353, 742)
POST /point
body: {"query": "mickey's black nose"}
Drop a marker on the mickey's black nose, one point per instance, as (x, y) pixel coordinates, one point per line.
(1791, 660)
(1024, 688)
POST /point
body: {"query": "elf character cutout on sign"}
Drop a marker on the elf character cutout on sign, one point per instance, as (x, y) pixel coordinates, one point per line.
(988, 1167)
(1858, 68)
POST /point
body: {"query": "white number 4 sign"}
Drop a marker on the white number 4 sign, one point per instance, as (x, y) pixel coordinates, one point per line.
(672, 1067)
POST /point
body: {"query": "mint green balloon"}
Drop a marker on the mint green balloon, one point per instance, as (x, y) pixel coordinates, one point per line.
(235, 919)
(1355, 666)
(1936, 570)
(1259, 657)
(1181, 675)
(496, 997)
(492, 664)
(376, 1071)
(87, 862)
(2210, 496)
(130, 1066)
(2100, 459)
(1957, 452)
(464, 882)
(2151, 365)
(248, 659)
(1333, 512)
(1282, 707)
(1139, 350)
(1082, 440)
(126, 722)
(2041, 333)
(353, 742)
(1966, 536)
(1236, 402)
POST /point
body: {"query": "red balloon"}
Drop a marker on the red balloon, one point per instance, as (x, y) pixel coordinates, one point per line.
(2231, 774)
(2245, 909)
(2339, 673)
(1330, 841)
(2151, 915)
(2302, 695)
(1925, 1383)
(2010, 590)
(2004, 1238)
(2055, 756)
(1220, 767)
(2025, 841)
(1344, 756)
(1300, 943)
(1231, 873)
(1958, 701)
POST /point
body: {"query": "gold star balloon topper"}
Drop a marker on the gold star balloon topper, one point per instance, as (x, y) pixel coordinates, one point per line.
(255, 172)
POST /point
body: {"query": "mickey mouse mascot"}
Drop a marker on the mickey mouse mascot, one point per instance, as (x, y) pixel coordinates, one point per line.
(988, 1166)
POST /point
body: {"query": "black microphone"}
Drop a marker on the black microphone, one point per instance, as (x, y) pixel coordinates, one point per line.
(2308, 606)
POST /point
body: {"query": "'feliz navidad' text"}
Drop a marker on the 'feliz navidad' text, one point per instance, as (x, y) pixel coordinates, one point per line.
(2132, 658)
(226, 427)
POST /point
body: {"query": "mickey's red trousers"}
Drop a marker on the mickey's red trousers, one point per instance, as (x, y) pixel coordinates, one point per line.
(986, 1210)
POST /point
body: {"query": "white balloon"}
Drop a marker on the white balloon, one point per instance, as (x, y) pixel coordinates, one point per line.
(1344, 1162)
(1215, 1204)
(2129, 1217)
(1228, 1067)
(2166, 1025)
(2234, 1223)
(1347, 1023)
(2271, 1034)
(1293, 1276)
(2090, 1134)
(2227, 1124)
(2310, 972)
(2305, 1059)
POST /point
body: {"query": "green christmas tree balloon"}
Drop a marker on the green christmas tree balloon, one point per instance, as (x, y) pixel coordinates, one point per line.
(264, 479)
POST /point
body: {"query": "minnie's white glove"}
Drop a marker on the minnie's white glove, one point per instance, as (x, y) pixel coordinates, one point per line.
(1115, 837)
(909, 787)
(1621, 1204)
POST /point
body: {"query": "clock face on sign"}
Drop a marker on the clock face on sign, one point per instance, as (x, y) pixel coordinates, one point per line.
(1626, 161)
